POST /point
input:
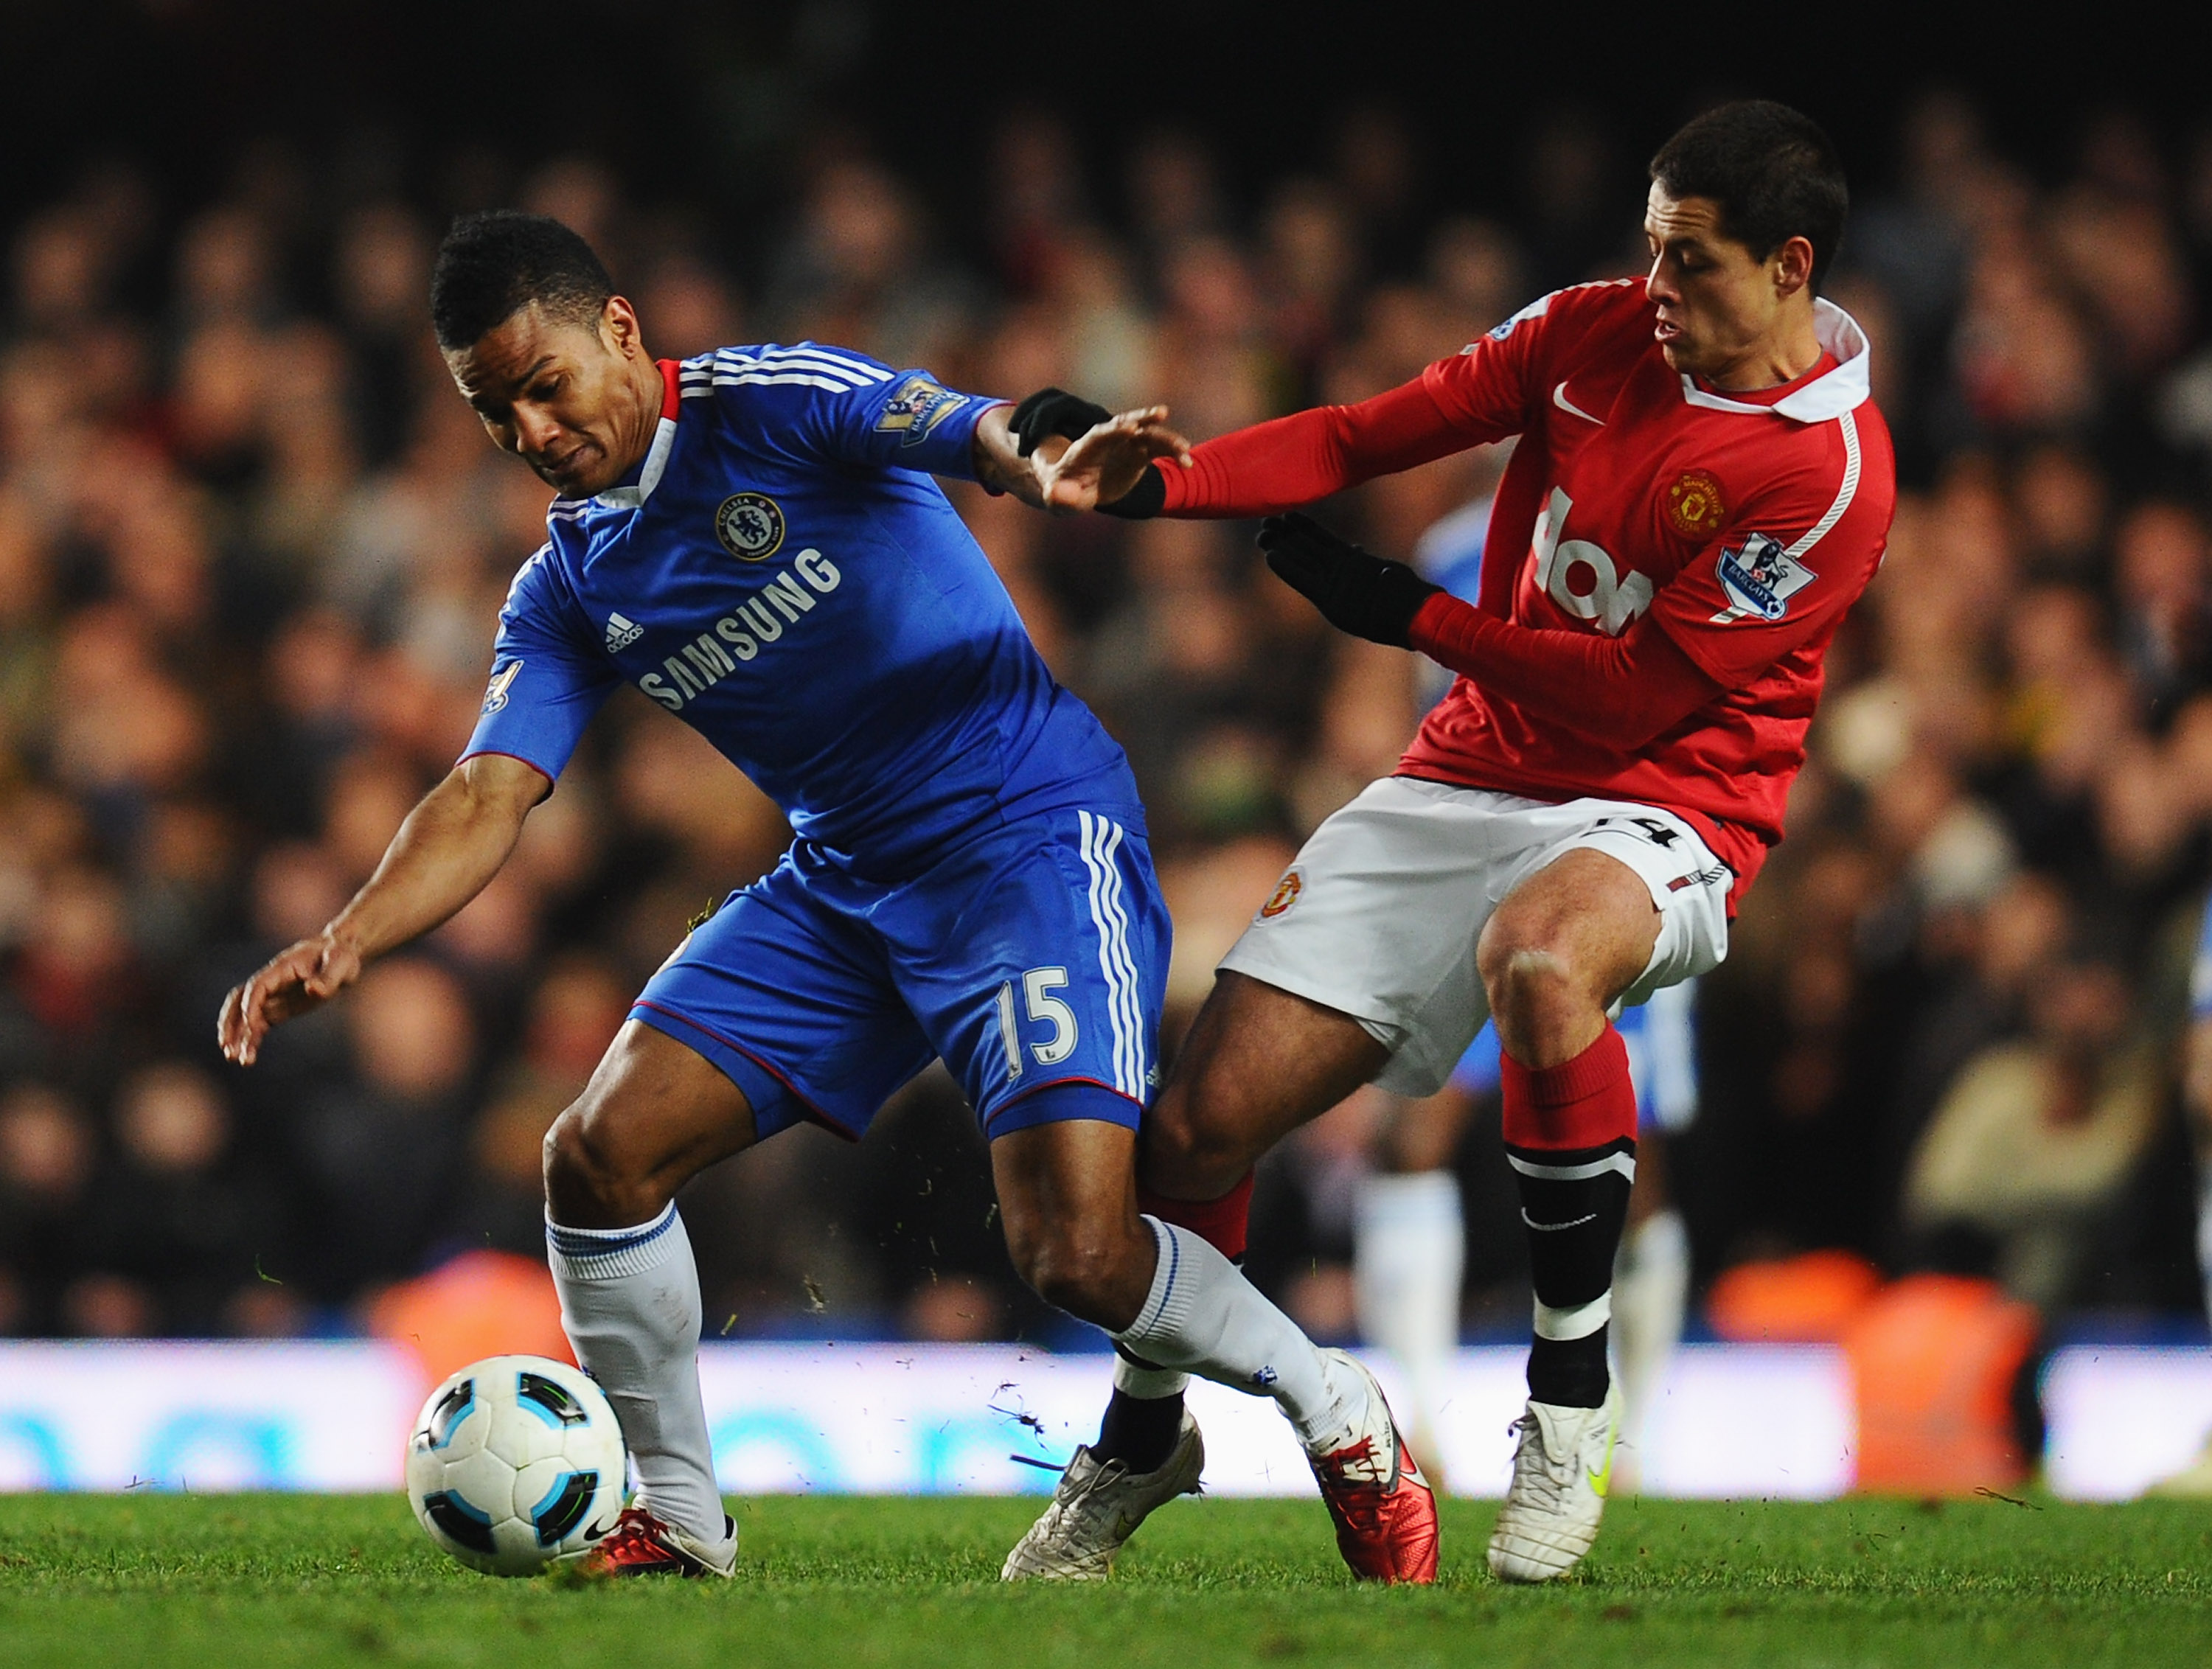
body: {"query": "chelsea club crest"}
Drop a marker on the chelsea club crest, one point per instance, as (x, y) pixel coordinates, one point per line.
(750, 526)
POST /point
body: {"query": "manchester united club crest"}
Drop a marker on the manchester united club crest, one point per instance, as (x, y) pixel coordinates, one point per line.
(750, 526)
(1286, 893)
(1693, 505)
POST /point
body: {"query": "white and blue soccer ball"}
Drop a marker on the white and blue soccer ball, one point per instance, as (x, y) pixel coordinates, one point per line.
(516, 1463)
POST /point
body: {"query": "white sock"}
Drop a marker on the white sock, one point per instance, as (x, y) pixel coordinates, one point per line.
(1410, 1249)
(1149, 1383)
(629, 1303)
(1651, 1288)
(1202, 1315)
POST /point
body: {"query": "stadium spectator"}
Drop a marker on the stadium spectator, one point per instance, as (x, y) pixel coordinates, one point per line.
(377, 1148)
(2031, 1144)
(181, 1220)
(47, 1158)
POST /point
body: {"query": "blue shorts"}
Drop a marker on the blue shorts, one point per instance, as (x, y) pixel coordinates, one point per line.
(1033, 955)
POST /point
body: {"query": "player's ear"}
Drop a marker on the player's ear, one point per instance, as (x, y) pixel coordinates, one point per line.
(1792, 265)
(619, 329)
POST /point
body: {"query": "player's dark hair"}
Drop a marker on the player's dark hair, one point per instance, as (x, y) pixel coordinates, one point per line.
(494, 265)
(1770, 169)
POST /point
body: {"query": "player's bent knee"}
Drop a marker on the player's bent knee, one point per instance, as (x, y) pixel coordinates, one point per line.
(1197, 1136)
(1081, 1280)
(1169, 1136)
(1524, 980)
(590, 1173)
(1544, 1005)
(1094, 1276)
(1524, 960)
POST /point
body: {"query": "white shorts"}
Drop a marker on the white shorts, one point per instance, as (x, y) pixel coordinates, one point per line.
(1379, 916)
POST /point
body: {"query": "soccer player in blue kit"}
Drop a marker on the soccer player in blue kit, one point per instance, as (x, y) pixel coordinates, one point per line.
(752, 539)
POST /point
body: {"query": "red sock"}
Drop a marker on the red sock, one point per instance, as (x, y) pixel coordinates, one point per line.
(1571, 1138)
(1222, 1224)
(1585, 1102)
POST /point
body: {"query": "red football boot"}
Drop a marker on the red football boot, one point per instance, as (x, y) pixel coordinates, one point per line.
(1385, 1511)
(641, 1544)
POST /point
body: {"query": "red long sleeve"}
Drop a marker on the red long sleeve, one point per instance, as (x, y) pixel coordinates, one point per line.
(1630, 690)
(1294, 460)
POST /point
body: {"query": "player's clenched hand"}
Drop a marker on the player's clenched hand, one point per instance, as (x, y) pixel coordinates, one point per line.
(291, 982)
(1356, 591)
(1110, 459)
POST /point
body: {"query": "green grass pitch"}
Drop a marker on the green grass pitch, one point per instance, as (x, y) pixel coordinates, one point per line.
(238, 1581)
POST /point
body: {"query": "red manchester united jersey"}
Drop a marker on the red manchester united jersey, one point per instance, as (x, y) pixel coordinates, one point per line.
(1741, 527)
(1744, 525)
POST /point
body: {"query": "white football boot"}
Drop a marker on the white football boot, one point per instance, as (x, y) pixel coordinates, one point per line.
(1096, 1507)
(1561, 1472)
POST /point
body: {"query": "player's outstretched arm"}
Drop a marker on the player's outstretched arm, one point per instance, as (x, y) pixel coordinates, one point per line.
(1060, 452)
(450, 846)
(1270, 467)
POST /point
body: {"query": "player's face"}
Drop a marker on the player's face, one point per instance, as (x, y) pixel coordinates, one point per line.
(565, 397)
(1719, 304)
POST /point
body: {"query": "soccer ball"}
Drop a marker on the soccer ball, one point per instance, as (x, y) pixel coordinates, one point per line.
(516, 1464)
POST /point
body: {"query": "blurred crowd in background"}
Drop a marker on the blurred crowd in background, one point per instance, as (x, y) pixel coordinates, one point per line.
(252, 546)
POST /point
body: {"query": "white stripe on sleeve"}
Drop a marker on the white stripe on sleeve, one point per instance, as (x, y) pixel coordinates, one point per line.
(824, 356)
(1845, 494)
(754, 378)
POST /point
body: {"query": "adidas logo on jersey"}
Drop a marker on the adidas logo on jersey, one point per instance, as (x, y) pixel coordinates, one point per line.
(622, 633)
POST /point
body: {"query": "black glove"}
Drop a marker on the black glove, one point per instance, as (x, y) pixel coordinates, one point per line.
(1142, 502)
(1357, 592)
(1056, 411)
(1053, 411)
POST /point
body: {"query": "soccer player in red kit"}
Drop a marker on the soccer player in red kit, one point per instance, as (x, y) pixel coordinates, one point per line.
(1701, 489)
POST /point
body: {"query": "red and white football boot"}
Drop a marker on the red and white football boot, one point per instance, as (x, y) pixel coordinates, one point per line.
(639, 1545)
(1385, 1511)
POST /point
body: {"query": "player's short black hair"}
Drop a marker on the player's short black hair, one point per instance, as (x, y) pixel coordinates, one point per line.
(1771, 170)
(494, 265)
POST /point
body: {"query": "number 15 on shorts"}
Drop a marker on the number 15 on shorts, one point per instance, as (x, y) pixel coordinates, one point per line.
(1043, 1009)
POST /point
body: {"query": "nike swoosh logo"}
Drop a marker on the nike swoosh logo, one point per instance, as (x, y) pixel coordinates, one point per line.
(1560, 399)
(1554, 1227)
(598, 1530)
(1601, 1482)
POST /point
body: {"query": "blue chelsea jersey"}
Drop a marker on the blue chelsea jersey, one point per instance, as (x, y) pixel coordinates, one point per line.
(783, 575)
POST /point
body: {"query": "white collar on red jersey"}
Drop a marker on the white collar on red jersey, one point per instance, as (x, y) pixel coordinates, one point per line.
(1827, 395)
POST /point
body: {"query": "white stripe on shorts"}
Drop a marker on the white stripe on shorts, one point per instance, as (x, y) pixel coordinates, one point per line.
(1132, 1000)
(1132, 1005)
(1101, 842)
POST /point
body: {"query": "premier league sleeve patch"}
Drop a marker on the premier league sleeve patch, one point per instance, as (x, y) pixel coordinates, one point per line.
(919, 407)
(1759, 577)
(501, 681)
